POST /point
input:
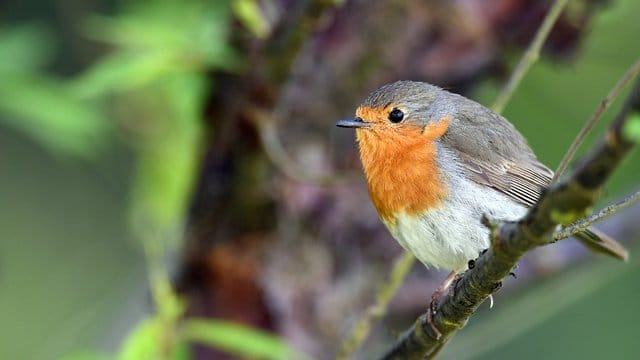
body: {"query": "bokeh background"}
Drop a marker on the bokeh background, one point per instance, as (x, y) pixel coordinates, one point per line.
(163, 161)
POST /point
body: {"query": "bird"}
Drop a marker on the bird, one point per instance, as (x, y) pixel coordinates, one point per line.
(436, 162)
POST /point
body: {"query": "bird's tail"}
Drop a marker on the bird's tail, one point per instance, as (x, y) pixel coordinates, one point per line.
(599, 242)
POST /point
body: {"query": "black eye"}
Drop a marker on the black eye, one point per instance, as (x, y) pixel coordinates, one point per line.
(396, 115)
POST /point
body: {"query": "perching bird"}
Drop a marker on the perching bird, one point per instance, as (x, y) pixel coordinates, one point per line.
(436, 162)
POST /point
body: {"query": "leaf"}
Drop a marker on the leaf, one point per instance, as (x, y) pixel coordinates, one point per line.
(181, 351)
(631, 129)
(249, 14)
(41, 106)
(150, 339)
(24, 48)
(44, 109)
(237, 339)
(143, 342)
(122, 71)
(168, 153)
(157, 40)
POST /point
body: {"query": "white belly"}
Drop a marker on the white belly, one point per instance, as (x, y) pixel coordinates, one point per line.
(451, 235)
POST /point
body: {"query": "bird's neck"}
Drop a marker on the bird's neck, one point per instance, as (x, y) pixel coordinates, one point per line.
(402, 171)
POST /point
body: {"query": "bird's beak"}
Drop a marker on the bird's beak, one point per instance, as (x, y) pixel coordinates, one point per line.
(353, 123)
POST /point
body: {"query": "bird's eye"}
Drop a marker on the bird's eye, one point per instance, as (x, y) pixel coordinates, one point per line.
(396, 115)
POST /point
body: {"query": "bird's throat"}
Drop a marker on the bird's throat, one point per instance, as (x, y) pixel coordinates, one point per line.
(401, 169)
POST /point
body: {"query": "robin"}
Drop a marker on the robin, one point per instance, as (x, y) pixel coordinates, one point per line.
(436, 162)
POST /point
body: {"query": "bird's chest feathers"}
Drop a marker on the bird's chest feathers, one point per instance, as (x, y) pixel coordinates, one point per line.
(401, 169)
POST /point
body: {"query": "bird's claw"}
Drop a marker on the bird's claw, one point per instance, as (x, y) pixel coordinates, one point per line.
(430, 314)
(450, 284)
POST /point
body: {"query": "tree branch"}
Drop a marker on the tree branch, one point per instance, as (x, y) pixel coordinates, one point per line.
(563, 202)
(604, 104)
(583, 224)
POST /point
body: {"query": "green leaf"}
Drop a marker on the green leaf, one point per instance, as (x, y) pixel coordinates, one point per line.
(158, 40)
(181, 351)
(152, 338)
(41, 106)
(237, 339)
(631, 129)
(168, 153)
(136, 31)
(44, 109)
(144, 342)
(249, 14)
(24, 48)
(122, 71)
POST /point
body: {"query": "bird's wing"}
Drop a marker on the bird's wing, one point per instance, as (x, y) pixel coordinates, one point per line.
(522, 182)
(494, 154)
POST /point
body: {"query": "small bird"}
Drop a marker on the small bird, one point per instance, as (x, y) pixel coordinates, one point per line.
(436, 162)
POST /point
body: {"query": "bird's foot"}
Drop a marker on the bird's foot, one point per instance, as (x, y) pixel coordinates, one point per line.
(430, 313)
(449, 283)
(513, 273)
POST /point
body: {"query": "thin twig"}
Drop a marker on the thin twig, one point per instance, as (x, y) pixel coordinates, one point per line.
(604, 104)
(583, 224)
(530, 56)
(268, 133)
(354, 341)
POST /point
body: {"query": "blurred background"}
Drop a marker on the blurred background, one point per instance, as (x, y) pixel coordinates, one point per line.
(171, 170)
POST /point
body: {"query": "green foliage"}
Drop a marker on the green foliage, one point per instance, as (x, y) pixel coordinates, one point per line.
(632, 128)
(156, 338)
(162, 51)
(150, 340)
(24, 49)
(248, 12)
(155, 40)
(150, 88)
(238, 339)
(168, 151)
(42, 106)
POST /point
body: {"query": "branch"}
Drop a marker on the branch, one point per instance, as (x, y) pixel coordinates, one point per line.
(564, 201)
(530, 56)
(604, 104)
(581, 225)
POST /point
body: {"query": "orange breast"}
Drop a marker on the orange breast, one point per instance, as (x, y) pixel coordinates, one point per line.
(401, 168)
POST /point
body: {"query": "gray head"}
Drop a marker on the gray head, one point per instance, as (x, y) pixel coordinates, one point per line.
(402, 101)
(403, 92)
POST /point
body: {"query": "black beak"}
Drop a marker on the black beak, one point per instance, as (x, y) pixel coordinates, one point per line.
(353, 123)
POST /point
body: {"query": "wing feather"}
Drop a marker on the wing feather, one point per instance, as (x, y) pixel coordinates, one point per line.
(494, 154)
(522, 182)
